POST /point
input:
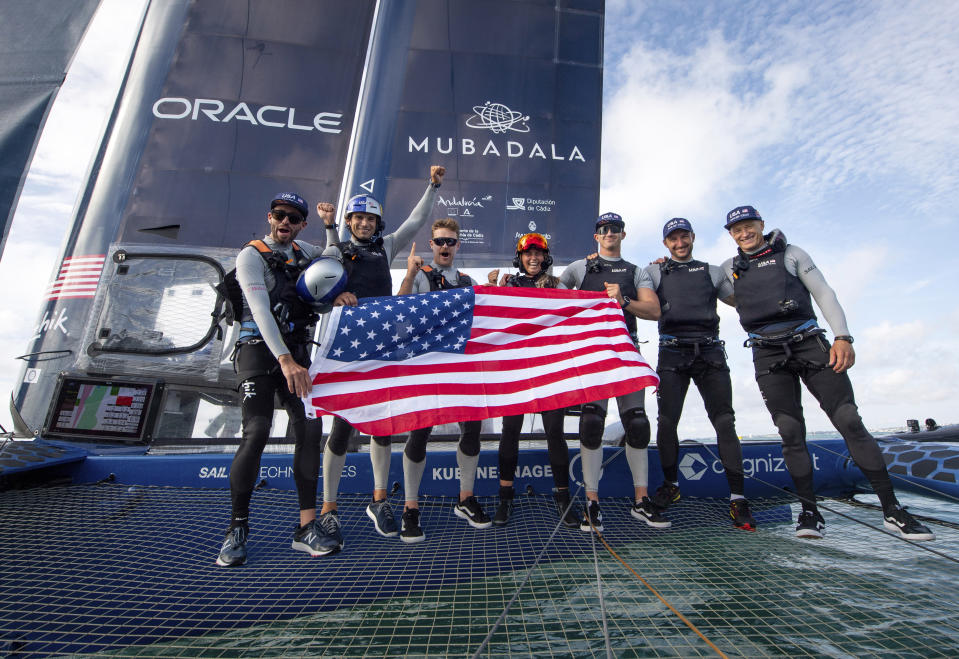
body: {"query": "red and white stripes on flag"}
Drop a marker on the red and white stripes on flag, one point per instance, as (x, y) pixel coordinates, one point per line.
(78, 277)
(394, 364)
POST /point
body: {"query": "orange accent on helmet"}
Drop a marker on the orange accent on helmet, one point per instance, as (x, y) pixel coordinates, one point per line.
(531, 240)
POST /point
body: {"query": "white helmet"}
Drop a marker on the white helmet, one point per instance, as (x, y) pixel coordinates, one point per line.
(322, 281)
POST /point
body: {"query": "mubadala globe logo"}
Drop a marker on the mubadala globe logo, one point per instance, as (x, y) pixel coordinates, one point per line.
(692, 466)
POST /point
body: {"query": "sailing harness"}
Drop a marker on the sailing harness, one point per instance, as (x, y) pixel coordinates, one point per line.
(293, 316)
(438, 282)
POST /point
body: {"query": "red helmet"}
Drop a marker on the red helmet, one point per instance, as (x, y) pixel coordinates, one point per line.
(531, 241)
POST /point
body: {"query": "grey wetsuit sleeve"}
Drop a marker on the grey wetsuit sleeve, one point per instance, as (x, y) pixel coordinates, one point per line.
(642, 279)
(574, 274)
(727, 270)
(654, 274)
(250, 273)
(799, 263)
(722, 284)
(421, 283)
(401, 238)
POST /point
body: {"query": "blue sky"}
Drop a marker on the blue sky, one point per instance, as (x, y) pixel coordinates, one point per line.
(839, 121)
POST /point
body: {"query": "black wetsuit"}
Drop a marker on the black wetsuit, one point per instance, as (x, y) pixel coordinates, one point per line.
(262, 382)
(773, 301)
(690, 349)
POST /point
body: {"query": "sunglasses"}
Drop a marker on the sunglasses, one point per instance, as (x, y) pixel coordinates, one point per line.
(608, 228)
(280, 215)
(445, 242)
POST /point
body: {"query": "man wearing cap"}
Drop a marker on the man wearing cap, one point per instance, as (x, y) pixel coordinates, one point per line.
(632, 288)
(690, 349)
(366, 258)
(272, 361)
(774, 284)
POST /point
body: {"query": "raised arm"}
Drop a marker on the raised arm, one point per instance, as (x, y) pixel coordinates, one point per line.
(400, 238)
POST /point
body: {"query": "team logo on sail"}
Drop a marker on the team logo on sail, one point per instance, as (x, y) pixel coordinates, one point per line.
(498, 118)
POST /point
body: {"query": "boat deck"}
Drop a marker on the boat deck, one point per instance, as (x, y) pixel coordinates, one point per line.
(129, 570)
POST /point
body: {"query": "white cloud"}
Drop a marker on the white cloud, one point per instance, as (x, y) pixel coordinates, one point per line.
(62, 158)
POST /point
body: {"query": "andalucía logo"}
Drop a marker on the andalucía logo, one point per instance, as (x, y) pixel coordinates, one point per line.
(498, 119)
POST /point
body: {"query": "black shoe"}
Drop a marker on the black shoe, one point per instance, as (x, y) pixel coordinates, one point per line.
(233, 551)
(312, 539)
(899, 519)
(645, 511)
(505, 508)
(811, 525)
(411, 531)
(666, 494)
(742, 518)
(569, 514)
(382, 515)
(592, 518)
(470, 510)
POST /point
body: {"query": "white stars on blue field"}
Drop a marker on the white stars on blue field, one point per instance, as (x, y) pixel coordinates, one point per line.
(397, 328)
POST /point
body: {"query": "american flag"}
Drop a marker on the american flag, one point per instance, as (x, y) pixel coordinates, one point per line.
(393, 364)
(78, 277)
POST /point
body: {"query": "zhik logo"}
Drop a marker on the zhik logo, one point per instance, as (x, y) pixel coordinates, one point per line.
(692, 466)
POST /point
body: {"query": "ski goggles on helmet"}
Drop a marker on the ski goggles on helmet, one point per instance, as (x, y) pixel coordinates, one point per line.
(445, 242)
(279, 215)
(531, 240)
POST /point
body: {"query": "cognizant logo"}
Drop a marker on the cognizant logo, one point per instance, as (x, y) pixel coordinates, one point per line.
(693, 467)
(273, 116)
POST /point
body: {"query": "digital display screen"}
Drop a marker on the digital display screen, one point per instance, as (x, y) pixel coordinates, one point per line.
(101, 409)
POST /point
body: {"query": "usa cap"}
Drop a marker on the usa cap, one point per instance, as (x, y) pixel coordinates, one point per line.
(741, 213)
(676, 224)
(290, 199)
(610, 218)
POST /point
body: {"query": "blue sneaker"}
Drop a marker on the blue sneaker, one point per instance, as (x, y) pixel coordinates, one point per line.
(382, 515)
(233, 551)
(312, 539)
(328, 526)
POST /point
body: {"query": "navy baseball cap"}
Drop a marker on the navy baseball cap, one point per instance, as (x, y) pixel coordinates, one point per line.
(610, 218)
(676, 224)
(741, 213)
(290, 199)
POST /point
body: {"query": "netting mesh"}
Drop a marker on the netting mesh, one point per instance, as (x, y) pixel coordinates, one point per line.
(130, 571)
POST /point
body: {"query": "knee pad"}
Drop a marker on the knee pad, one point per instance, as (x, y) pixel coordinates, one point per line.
(470, 446)
(591, 426)
(636, 424)
(339, 438)
(724, 423)
(791, 429)
(415, 451)
(663, 422)
(383, 441)
(847, 421)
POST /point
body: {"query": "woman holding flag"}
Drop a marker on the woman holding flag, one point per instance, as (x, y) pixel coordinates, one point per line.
(533, 260)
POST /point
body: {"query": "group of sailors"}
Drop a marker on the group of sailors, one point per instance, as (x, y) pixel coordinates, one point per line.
(770, 282)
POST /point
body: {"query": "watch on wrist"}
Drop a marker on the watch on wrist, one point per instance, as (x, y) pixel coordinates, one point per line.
(843, 337)
(626, 302)
(435, 184)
